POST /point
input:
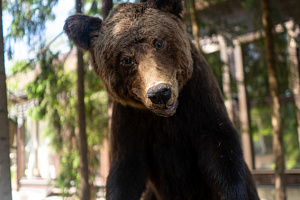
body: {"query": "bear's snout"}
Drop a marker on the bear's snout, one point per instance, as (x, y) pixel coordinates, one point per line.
(159, 94)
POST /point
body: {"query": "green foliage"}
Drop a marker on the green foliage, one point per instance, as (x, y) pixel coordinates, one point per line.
(215, 17)
(19, 66)
(290, 137)
(93, 7)
(250, 4)
(69, 176)
(256, 81)
(29, 18)
(261, 129)
(125, 1)
(216, 64)
(261, 122)
(54, 89)
(215, 1)
(282, 10)
(96, 108)
(256, 75)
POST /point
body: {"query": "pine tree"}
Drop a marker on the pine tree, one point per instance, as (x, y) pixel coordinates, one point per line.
(5, 183)
(275, 105)
(84, 193)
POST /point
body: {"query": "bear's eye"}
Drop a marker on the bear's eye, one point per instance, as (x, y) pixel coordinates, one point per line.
(127, 61)
(158, 44)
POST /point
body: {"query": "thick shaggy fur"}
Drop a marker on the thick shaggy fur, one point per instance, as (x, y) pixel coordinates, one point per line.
(186, 149)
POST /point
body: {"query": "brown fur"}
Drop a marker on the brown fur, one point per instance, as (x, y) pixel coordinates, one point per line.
(131, 30)
(193, 151)
(131, 38)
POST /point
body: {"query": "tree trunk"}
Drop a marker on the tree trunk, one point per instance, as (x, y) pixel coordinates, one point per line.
(5, 182)
(106, 7)
(84, 193)
(294, 70)
(194, 24)
(275, 106)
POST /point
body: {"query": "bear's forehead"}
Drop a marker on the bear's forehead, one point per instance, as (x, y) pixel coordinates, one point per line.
(139, 20)
(132, 27)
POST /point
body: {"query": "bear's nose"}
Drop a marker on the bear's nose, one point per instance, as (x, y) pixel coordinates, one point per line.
(159, 94)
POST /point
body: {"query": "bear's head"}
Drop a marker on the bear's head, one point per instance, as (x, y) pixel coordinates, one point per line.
(140, 51)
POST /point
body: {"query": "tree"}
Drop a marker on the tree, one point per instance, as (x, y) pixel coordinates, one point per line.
(5, 183)
(28, 23)
(84, 193)
(294, 71)
(106, 7)
(54, 89)
(194, 24)
(274, 97)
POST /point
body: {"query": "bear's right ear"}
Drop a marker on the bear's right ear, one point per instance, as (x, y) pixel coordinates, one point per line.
(81, 29)
(172, 6)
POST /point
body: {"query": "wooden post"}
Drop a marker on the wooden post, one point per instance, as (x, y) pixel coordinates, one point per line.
(226, 76)
(243, 108)
(104, 159)
(20, 145)
(19, 158)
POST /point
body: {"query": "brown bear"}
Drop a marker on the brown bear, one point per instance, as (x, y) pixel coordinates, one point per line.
(171, 135)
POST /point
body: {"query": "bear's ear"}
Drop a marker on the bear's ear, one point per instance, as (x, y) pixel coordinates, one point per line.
(81, 29)
(172, 6)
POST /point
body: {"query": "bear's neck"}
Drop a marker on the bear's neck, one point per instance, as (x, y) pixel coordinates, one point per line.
(202, 90)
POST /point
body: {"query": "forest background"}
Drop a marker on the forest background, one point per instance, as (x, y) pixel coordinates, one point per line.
(77, 119)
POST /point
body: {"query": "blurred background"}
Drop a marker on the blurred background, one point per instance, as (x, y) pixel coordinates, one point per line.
(59, 126)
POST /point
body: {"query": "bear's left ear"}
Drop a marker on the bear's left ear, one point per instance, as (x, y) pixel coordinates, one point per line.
(172, 6)
(81, 29)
